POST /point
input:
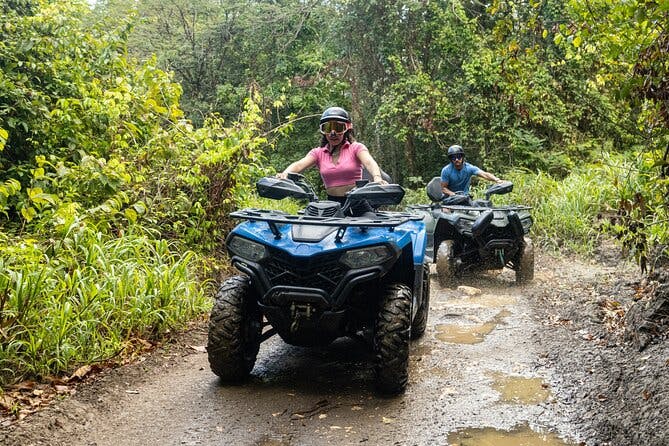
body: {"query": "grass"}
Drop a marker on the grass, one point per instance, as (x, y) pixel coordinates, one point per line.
(565, 211)
(82, 299)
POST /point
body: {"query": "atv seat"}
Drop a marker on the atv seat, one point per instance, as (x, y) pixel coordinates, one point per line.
(435, 194)
(433, 189)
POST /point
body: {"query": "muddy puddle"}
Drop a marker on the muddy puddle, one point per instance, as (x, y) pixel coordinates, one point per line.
(469, 334)
(485, 301)
(521, 436)
(520, 390)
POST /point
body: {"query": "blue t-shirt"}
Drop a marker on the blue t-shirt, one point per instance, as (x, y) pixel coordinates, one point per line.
(458, 180)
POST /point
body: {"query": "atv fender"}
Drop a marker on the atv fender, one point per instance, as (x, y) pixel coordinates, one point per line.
(516, 225)
(481, 224)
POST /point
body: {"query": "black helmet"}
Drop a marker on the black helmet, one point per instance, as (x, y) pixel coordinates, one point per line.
(335, 114)
(456, 149)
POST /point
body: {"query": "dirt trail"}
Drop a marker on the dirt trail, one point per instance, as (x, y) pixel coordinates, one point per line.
(494, 367)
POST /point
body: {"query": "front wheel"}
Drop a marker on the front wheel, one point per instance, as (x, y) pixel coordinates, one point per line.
(525, 266)
(419, 323)
(445, 264)
(235, 327)
(391, 339)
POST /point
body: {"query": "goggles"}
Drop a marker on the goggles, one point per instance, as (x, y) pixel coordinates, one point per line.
(333, 126)
(457, 156)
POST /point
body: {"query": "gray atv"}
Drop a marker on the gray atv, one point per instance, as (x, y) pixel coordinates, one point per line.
(467, 235)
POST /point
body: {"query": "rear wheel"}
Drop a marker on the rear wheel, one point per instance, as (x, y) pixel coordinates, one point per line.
(391, 339)
(445, 264)
(420, 320)
(235, 327)
(525, 266)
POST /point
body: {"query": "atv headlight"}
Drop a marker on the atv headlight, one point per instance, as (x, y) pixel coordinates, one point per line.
(361, 258)
(247, 249)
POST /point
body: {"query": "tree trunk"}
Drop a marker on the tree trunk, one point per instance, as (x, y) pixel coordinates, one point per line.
(410, 156)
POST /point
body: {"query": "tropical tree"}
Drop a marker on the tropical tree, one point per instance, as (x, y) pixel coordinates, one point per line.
(631, 41)
(218, 50)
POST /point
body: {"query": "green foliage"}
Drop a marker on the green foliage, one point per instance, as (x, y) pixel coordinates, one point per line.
(630, 41)
(3, 138)
(288, 205)
(565, 212)
(20, 7)
(114, 206)
(221, 50)
(84, 297)
(639, 218)
(596, 199)
(72, 108)
(109, 143)
(190, 188)
(51, 63)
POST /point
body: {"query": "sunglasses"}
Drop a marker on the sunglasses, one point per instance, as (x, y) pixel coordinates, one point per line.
(459, 156)
(333, 126)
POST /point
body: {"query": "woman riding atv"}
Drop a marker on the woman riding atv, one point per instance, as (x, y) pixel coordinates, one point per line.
(340, 158)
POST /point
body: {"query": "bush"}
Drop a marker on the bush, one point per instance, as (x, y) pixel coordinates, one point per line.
(86, 297)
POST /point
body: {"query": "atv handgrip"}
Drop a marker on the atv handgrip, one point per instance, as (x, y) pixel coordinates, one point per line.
(502, 188)
(279, 188)
(377, 194)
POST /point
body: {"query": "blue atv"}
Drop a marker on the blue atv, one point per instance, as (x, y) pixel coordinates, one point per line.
(320, 275)
(467, 235)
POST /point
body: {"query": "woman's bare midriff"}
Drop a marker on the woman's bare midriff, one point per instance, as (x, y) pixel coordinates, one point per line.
(339, 191)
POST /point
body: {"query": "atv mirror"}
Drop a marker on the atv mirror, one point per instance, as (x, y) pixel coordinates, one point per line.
(434, 191)
(377, 194)
(499, 189)
(278, 189)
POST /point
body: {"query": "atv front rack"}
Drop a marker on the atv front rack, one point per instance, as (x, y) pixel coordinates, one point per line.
(273, 218)
(454, 207)
(463, 208)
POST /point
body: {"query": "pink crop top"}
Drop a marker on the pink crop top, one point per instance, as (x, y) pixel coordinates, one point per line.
(348, 168)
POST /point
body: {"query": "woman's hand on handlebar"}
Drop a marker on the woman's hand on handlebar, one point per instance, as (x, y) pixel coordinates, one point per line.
(379, 179)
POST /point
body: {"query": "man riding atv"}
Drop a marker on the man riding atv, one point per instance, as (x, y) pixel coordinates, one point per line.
(467, 235)
(456, 176)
